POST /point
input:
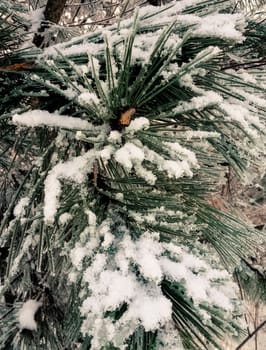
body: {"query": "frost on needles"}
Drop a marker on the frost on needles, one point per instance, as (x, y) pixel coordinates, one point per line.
(111, 226)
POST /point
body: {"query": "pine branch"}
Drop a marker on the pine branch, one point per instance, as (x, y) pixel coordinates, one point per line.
(111, 228)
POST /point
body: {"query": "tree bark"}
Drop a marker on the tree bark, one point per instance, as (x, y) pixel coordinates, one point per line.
(155, 2)
(52, 13)
(54, 10)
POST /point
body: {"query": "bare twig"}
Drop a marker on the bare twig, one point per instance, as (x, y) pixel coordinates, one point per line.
(246, 65)
(251, 335)
(256, 324)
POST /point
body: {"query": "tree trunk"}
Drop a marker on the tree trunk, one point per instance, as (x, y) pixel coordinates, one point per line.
(54, 10)
(52, 13)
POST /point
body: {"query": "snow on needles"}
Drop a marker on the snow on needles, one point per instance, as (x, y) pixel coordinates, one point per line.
(43, 118)
(26, 315)
(112, 283)
(19, 209)
(209, 98)
(73, 170)
(222, 26)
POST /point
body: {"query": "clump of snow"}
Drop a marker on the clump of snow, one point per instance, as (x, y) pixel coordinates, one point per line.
(35, 17)
(105, 233)
(77, 254)
(190, 134)
(26, 314)
(19, 209)
(71, 50)
(252, 98)
(145, 174)
(128, 155)
(170, 71)
(152, 311)
(73, 170)
(174, 168)
(115, 137)
(86, 98)
(119, 196)
(137, 124)
(210, 98)
(65, 218)
(247, 77)
(91, 222)
(39, 118)
(143, 47)
(223, 26)
(112, 282)
(24, 250)
(175, 150)
(106, 153)
(112, 287)
(244, 117)
(133, 154)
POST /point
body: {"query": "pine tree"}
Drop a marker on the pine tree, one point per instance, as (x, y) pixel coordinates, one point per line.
(112, 147)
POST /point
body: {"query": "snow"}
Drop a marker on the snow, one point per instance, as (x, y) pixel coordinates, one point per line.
(108, 240)
(86, 98)
(65, 218)
(137, 124)
(198, 285)
(226, 26)
(106, 153)
(173, 168)
(143, 47)
(243, 116)
(19, 209)
(222, 26)
(115, 137)
(91, 222)
(145, 254)
(190, 134)
(24, 250)
(77, 255)
(176, 150)
(145, 174)
(169, 338)
(112, 288)
(252, 98)
(74, 170)
(152, 311)
(35, 17)
(116, 268)
(26, 314)
(132, 154)
(248, 78)
(112, 282)
(44, 118)
(71, 50)
(203, 56)
(128, 155)
(210, 98)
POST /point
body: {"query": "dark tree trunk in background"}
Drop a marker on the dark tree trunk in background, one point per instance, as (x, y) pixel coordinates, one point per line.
(52, 13)
(155, 2)
(54, 10)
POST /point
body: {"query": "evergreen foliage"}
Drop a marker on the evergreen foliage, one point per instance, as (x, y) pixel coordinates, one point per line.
(112, 145)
